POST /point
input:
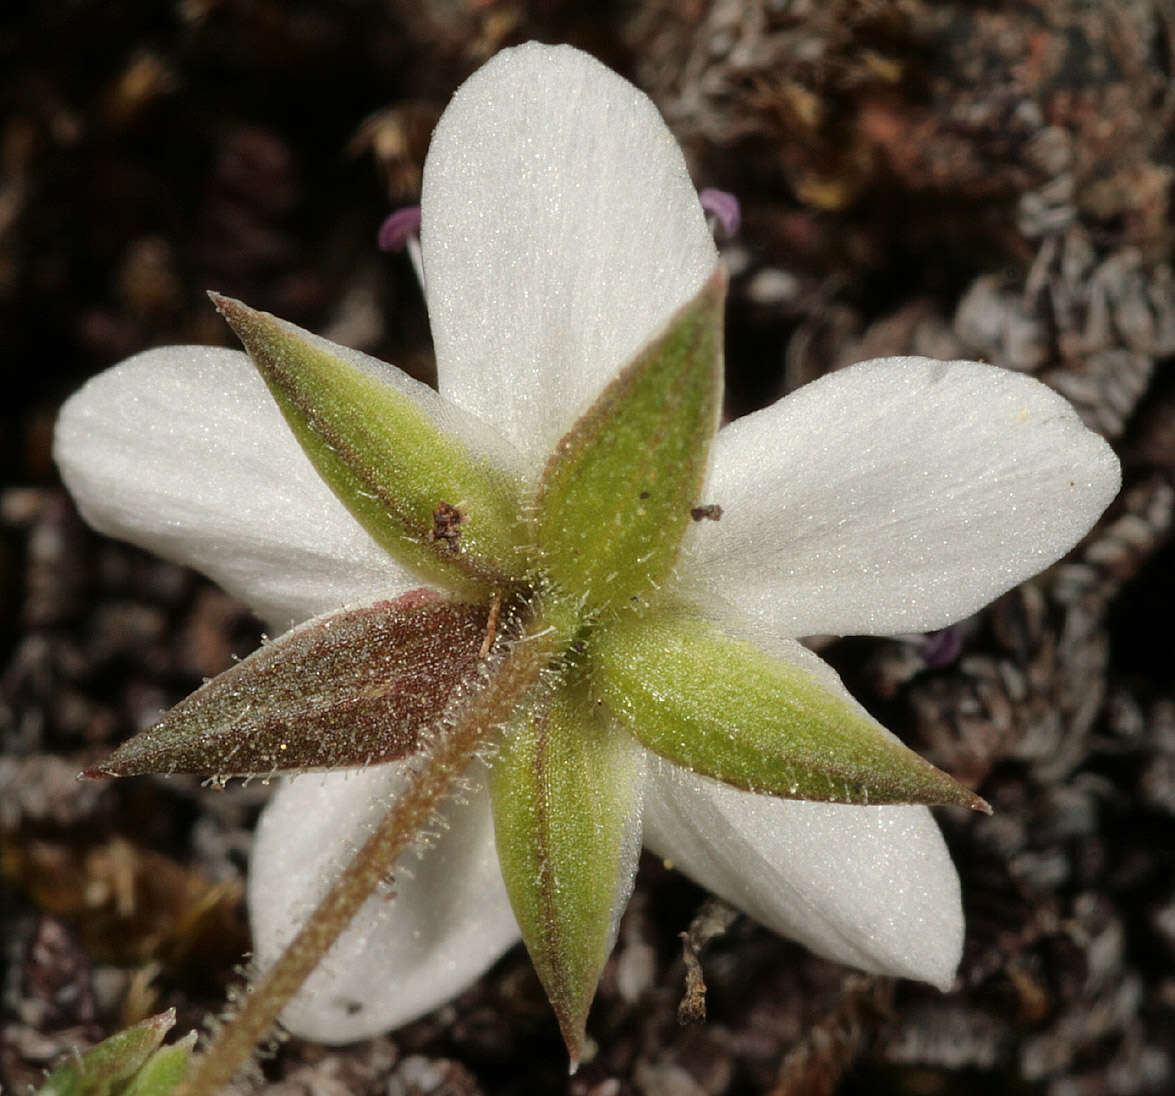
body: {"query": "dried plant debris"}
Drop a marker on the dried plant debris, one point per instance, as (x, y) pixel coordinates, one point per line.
(712, 920)
(831, 1045)
(981, 101)
(128, 904)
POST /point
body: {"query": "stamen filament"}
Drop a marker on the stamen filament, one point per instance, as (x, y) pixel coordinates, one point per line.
(416, 257)
(722, 211)
(401, 231)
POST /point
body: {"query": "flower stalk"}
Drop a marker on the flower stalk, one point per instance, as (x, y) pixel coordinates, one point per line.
(431, 780)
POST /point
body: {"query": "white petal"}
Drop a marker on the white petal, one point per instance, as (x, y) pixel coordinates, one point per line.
(183, 451)
(898, 495)
(401, 957)
(873, 887)
(560, 231)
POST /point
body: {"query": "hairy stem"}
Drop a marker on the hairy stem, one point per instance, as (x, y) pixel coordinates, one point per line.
(429, 782)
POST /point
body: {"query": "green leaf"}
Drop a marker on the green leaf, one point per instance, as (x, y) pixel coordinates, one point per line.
(164, 1071)
(350, 688)
(420, 492)
(722, 707)
(616, 495)
(567, 825)
(102, 1069)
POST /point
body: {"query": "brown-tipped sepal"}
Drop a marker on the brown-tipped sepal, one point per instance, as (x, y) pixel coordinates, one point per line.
(351, 688)
(565, 793)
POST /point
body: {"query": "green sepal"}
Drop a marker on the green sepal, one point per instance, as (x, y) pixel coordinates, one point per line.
(565, 792)
(105, 1069)
(724, 708)
(616, 495)
(418, 489)
(352, 688)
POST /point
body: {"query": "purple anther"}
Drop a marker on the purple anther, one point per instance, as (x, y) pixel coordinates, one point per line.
(940, 649)
(724, 208)
(399, 228)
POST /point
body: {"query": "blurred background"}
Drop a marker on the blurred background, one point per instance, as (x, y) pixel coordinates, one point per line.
(983, 180)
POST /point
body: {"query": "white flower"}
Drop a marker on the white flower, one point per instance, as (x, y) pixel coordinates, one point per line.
(560, 232)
